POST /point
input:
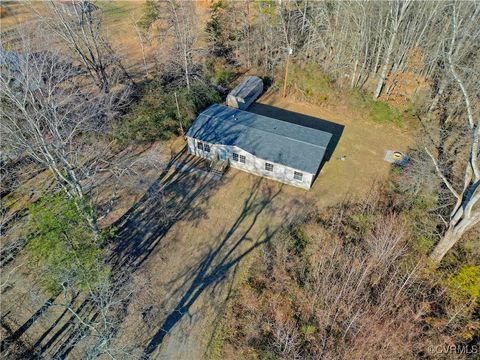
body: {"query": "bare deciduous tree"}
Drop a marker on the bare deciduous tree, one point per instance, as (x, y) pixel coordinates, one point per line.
(466, 212)
(79, 26)
(51, 114)
(318, 295)
(181, 29)
(97, 315)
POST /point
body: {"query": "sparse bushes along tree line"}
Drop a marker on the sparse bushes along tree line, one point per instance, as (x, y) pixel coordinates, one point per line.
(353, 279)
(351, 282)
(163, 114)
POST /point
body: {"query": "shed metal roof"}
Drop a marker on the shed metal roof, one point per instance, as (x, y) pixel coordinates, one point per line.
(281, 142)
(247, 87)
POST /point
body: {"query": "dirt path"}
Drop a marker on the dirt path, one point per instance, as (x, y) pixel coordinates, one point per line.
(193, 265)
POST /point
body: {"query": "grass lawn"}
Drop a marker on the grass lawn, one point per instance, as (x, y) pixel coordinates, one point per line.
(193, 258)
(194, 267)
(363, 142)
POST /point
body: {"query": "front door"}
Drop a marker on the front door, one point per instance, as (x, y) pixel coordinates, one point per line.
(222, 154)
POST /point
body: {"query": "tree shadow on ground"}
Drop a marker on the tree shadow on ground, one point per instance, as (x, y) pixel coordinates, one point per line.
(168, 200)
(214, 266)
(12, 338)
(139, 231)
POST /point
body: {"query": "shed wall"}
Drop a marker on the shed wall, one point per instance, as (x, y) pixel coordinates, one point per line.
(245, 93)
(243, 103)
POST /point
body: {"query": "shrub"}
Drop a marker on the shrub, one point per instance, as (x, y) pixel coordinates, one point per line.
(299, 240)
(155, 116)
(61, 245)
(465, 284)
(223, 77)
(308, 329)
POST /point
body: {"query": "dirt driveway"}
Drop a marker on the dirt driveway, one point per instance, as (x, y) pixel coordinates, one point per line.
(194, 265)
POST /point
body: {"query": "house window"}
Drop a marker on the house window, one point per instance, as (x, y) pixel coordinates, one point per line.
(298, 175)
(268, 166)
(206, 148)
(239, 158)
(199, 145)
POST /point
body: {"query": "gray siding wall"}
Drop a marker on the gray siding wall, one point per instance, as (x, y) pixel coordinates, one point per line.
(253, 164)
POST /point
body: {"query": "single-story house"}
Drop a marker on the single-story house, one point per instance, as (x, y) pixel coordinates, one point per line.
(264, 146)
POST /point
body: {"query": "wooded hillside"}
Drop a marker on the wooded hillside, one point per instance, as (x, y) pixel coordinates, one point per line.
(110, 229)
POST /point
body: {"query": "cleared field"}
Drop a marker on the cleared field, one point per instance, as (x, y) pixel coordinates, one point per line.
(193, 254)
(194, 266)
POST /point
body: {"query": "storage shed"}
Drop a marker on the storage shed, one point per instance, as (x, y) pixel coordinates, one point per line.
(245, 93)
(264, 146)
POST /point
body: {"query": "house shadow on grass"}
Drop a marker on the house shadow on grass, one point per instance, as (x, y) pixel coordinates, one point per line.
(304, 120)
(235, 243)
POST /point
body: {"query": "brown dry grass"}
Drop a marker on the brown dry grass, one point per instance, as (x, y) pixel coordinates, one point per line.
(363, 142)
(229, 217)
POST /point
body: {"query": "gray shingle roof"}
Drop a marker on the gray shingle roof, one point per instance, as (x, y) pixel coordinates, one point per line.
(292, 145)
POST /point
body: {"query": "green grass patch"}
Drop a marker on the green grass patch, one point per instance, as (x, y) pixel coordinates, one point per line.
(215, 346)
(379, 111)
(310, 81)
(116, 11)
(62, 247)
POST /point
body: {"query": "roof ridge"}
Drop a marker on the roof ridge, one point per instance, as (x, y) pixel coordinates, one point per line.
(268, 132)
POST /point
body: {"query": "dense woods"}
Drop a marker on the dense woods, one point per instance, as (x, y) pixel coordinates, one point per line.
(393, 273)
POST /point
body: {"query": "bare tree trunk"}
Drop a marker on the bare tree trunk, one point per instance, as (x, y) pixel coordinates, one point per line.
(142, 47)
(397, 20)
(438, 95)
(450, 238)
(182, 18)
(466, 213)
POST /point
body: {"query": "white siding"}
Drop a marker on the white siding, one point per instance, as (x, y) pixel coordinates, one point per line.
(253, 164)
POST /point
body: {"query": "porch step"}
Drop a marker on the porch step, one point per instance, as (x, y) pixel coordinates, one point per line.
(218, 167)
